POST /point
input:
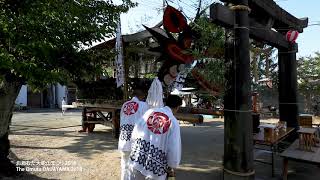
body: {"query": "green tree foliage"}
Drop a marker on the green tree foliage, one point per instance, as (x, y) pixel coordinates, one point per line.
(211, 41)
(41, 42)
(309, 79)
(308, 73)
(209, 51)
(40, 39)
(263, 65)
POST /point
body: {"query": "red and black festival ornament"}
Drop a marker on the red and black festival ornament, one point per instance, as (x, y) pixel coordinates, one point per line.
(174, 52)
(173, 20)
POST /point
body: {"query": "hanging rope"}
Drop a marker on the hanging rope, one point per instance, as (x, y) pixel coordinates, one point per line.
(243, 174)
(155, 94)
(241, 8)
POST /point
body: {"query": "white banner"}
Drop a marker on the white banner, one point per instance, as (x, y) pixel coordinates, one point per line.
(180, 79)
(182, 75)
(119, 57)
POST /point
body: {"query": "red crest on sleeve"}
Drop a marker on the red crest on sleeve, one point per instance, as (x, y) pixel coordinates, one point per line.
(130, 108)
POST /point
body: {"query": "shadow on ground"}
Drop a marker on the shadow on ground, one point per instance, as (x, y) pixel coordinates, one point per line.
(81, 144)
(202, 151)
(22, 175)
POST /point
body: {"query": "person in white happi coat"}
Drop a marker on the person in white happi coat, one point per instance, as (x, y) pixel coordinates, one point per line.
(63, 102)
(131, 112)
(156, 145)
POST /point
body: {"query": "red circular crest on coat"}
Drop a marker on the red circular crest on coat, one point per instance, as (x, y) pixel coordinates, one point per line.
(158, 123)
(130, 108)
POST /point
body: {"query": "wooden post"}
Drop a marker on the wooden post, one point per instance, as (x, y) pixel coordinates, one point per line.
(288, 107)
(285, 169)
(116, 122)
(126, 72)
(84, 119)
(238, 138)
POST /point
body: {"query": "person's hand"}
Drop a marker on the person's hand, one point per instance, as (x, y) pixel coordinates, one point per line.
(171, 172)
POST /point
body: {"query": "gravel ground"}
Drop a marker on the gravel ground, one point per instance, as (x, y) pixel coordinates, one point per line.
(52, 140)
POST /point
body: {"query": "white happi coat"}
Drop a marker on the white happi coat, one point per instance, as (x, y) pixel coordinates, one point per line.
(156, 144)
(131, 112)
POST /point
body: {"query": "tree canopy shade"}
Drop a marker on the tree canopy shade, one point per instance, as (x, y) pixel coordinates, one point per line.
(40, 43)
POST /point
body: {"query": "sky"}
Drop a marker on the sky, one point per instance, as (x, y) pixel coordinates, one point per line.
(149, 12)
(308, 41)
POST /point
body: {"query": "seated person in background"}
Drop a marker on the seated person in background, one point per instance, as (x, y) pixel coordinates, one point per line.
(156, 147)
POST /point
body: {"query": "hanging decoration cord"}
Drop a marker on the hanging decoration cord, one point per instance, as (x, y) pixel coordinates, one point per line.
(240, 7)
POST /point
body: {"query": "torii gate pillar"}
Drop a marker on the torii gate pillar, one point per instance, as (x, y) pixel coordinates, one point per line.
(238, 151)
(288, 107)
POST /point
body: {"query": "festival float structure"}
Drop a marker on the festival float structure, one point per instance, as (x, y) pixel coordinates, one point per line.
(173, 53)
(172, 47)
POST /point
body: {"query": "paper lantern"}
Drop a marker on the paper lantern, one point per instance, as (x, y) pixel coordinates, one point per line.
(292, 35)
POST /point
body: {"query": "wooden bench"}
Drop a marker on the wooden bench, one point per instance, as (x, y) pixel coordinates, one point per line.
(295, 154)
(271, 141)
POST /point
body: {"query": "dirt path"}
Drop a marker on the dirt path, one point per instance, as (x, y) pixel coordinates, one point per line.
(49, 137)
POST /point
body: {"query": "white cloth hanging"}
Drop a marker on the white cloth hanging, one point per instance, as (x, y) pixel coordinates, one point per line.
(155, 94)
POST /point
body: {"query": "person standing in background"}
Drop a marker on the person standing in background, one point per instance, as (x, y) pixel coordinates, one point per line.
(63, 103)
(130, 113)
(156, 143)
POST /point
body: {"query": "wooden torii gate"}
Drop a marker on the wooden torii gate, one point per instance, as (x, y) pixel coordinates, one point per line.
(264, 21)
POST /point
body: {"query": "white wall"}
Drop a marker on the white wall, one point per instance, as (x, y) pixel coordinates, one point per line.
(22, 96)
(61, 91)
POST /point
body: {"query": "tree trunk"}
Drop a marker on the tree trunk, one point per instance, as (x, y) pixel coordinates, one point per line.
(268, 54)
(8, 94)
(255, 67)
(307, 100)
(267, 66)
